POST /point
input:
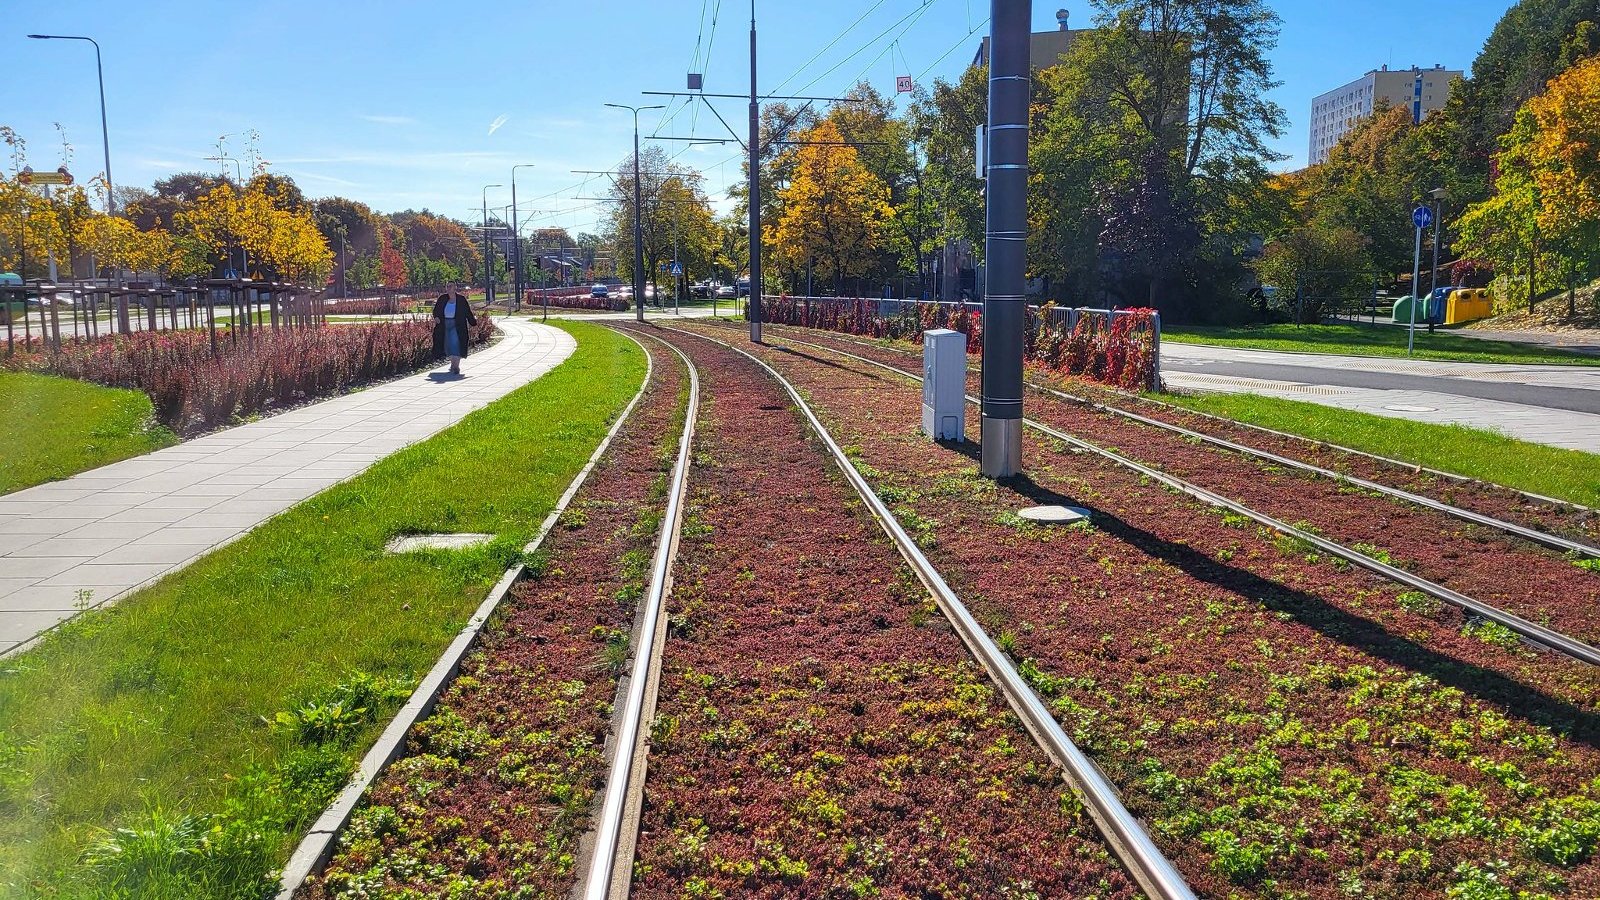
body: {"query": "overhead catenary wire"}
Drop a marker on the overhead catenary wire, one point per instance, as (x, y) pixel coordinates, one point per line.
(964, 38)
(910, 17)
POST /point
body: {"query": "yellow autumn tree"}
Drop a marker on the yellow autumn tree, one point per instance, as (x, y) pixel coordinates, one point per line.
(833, 210)
(1541, 227)
(112, 239)
(295, 248)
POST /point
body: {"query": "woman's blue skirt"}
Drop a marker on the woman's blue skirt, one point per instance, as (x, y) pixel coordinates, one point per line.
(452, 339)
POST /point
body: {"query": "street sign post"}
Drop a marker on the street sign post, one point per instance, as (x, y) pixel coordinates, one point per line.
(1421, 217)
(59, 177)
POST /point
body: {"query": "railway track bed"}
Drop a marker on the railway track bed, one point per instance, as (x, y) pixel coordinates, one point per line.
(1286, 727)
(1569, 523)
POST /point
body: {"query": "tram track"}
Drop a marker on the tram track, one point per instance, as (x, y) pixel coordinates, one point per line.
(1169, 659)
(1580, 548)
(1530, 631)
(1125, 834)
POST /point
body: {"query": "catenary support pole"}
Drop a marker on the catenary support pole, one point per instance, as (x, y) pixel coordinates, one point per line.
(1005, 237)
(754, 147)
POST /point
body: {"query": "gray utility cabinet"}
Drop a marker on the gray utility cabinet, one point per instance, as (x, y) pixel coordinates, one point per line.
(944, 384)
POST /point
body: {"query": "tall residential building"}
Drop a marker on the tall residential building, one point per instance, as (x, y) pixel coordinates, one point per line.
(1336, 112)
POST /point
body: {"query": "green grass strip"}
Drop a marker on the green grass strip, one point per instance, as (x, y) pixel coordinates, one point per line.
(1473, 452)
(1380, 340)
(52, 428)
(233, 697)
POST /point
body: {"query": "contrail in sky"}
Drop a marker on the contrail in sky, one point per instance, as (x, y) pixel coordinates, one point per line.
(495, 125)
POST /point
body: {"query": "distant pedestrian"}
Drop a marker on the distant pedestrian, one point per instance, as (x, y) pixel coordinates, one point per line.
(452, 321)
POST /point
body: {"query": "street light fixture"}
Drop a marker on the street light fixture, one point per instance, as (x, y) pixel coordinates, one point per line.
(488, 250)
(638, 227)
(105, 135)
(516, 238)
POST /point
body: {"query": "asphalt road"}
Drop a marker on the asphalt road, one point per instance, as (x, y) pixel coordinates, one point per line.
(1566, 398)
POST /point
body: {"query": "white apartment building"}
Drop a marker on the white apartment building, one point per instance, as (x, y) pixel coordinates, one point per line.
(1336, 112)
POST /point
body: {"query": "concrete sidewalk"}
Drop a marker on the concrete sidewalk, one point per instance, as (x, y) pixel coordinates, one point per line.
(99, 535)
(1555, 405)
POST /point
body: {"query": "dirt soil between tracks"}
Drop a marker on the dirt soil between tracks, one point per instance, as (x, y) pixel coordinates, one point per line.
(1287, 727)
(495, 788)
(820, 731)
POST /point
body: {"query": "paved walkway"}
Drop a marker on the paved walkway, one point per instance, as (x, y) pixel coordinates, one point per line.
(1555, 405)
(113, 529)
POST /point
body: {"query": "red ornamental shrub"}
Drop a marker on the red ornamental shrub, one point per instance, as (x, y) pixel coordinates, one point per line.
(368, 306)
(193, 391)
(1121, 354)
(574, 298)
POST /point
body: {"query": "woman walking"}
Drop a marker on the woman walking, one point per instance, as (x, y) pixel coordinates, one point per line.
(452, 317)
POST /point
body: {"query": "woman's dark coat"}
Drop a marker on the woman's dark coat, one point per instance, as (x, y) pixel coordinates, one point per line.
(464, 321)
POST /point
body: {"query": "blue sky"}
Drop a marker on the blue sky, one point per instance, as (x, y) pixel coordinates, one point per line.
(397, 103)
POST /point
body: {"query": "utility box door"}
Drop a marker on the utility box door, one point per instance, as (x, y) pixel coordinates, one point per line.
(944, 384)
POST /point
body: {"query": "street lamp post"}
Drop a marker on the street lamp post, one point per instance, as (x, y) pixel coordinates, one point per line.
(516, 238)
(105, 135)
(638, 226)
(488, 249)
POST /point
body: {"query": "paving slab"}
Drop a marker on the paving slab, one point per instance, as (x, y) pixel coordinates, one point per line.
(114, 529)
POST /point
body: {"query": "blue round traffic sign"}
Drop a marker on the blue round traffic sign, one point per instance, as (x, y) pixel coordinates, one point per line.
(1422, 217)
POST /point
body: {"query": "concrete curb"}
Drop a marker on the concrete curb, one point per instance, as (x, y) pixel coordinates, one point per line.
(316, 848)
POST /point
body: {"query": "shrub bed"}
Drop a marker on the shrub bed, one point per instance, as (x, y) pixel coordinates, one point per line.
(1123, 354)
(574, 298)
(194, 391)
(372, 306)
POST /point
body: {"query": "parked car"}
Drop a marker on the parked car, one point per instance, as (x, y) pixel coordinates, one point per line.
(700, 290)
(725, 292)
(600, 290)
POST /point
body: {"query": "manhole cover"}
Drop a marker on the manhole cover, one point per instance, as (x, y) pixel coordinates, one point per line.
(1407, 407)
(1054, 515)
(411, 543)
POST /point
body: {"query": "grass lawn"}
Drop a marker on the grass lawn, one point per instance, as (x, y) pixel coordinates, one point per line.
(52, 427)
(1365, 340)
(214, 713)
(1565, 474)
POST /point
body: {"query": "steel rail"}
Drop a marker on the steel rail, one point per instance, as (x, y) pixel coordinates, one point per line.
(1534, 633)
(1554, 541)
(608, 829)
(1126, 835)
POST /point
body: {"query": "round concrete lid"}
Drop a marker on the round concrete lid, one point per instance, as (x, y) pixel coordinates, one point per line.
(1054, 515)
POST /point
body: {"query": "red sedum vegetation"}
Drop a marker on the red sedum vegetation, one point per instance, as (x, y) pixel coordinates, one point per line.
(821, 732)
(1287, 727)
